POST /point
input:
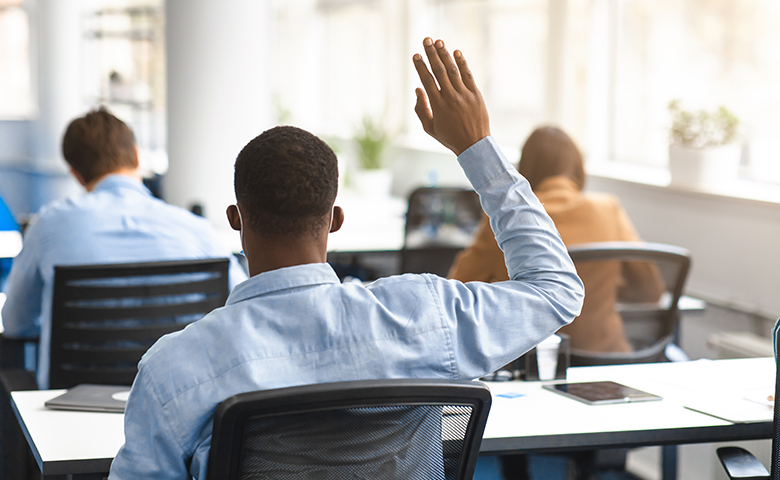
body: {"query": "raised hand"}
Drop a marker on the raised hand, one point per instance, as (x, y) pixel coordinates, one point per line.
(453, 112)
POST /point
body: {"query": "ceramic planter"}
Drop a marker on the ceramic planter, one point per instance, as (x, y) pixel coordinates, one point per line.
(704, 167)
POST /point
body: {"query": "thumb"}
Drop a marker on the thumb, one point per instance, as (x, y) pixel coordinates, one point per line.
(423, 111)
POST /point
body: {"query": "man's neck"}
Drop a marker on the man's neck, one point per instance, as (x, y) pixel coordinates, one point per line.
(126, 172)
(266, 254)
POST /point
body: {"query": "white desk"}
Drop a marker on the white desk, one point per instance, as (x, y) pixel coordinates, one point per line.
(369, 223)
(65, 442)
(10, 243)
(83, 443)
(715, 386)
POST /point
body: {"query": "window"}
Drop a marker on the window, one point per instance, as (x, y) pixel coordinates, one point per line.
(16, 92)
(706, 53)
(605, 70)
(336, 61)
(123, 68)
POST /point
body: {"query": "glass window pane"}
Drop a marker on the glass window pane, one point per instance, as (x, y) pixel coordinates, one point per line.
(706, 53)
(335, 62)
(16, 96)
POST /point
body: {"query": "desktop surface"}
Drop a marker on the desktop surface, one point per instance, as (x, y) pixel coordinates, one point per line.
(524, 417)
(515, 424)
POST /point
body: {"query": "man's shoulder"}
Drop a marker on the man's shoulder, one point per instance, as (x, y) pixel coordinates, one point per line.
(187, 355)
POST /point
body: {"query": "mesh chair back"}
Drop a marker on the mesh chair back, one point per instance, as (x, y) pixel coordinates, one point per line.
(105, 317)
(441, 216)
(650, 322)
(440, 222)
(373, 429)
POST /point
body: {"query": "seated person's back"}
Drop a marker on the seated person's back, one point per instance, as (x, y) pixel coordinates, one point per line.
(294, 323)
(553, 166)
(117, 221)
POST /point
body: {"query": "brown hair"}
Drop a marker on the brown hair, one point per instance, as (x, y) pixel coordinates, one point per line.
(98, 144)
(549, 152)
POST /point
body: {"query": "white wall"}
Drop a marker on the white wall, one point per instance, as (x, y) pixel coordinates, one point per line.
(733, 242)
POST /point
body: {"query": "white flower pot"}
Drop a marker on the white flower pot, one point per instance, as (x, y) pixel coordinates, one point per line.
(373, 183)
(704, 167)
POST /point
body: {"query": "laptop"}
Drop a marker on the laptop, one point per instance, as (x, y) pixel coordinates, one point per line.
(92, 398)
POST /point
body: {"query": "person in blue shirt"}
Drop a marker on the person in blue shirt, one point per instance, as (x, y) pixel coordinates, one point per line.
(294, 323)
(116, 221)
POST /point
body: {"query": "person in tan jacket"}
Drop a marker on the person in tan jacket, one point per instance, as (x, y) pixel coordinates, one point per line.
(553, 166)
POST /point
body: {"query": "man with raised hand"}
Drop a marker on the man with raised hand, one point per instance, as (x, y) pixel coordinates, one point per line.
(294, 323)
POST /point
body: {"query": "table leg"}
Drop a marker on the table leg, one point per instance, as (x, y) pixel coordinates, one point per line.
(669, 462)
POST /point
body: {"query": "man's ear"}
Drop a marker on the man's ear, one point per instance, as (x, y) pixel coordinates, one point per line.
(337, 220)
(234, 217)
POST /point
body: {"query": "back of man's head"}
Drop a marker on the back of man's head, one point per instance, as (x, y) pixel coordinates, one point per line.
(286, 181)
(98, 144)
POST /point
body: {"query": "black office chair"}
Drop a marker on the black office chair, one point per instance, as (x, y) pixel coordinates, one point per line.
(440, 222)
(649, 326)
(743, 465)
(390, 429)
(105, 317)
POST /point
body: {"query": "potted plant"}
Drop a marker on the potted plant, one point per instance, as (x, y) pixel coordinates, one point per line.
(703, 149)
(371, 141)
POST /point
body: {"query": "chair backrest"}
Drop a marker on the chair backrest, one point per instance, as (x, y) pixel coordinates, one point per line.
(105, 317)
(440, 222)
(649, 325)
(774, 467)
(391, 429)
(446, 216)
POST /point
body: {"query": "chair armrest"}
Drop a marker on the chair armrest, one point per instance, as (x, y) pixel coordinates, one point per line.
(741, 464)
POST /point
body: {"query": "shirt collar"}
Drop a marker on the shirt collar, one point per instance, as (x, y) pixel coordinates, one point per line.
(308, 275)
(117, 181)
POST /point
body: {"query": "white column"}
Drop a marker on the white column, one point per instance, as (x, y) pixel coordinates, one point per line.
(556, 59)
(218, 96)
(56, 40)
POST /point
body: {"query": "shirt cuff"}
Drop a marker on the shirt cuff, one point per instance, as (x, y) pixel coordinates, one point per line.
(483, 161)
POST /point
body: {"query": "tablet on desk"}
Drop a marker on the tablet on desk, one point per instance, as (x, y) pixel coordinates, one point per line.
(601, 393)
(92, 398)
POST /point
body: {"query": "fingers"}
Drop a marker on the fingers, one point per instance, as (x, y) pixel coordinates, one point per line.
(465, 73)
(437, 66)
(423, 111)
(453, 73)
(425, 76)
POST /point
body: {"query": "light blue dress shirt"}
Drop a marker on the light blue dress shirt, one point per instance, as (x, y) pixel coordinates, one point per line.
(119, 221)
(300, 325)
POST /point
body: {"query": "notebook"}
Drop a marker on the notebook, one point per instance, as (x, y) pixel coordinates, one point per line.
(92, 398)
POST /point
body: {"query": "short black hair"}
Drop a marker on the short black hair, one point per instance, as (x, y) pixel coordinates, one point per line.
(98, 144)
(286, 181)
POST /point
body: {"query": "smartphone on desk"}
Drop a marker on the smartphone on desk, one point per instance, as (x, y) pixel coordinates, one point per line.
(601, 393)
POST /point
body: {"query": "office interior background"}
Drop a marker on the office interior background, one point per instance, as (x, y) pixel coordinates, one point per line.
(197, 79)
